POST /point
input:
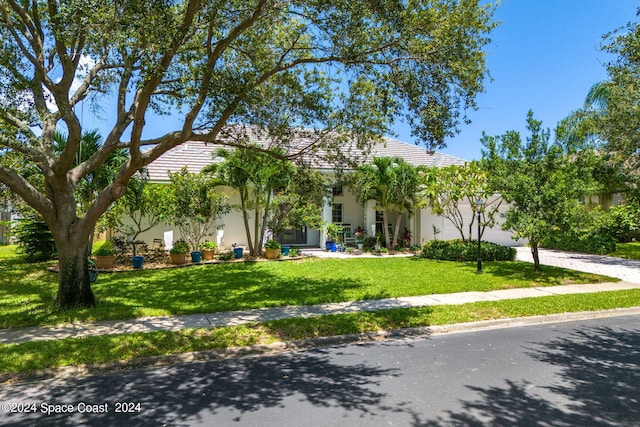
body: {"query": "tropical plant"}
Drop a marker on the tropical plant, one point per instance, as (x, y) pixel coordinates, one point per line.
(180, 247)
(144, 205)
(208, 245)
(34, 239)
(393, 184)
(255, 175)
(106, 248)
(272, 244)
(195, 205)
(451, 190)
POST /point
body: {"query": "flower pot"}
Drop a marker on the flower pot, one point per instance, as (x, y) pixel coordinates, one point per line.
(237, 252)
(271, 253)
(334, 247)
(360, 246)
(105, 262)
(137, 262)
(207, 254)
(178, 258)
(196, 256)
(285, 250)
(328, 244)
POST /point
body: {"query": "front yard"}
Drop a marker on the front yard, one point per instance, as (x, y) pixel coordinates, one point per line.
(27, 291)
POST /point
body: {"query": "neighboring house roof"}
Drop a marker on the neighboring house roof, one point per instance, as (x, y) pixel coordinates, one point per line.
(196, 155)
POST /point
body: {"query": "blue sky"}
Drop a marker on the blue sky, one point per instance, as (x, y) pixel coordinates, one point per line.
(544, 56)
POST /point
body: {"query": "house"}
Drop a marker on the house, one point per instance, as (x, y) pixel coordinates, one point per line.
(342, 207)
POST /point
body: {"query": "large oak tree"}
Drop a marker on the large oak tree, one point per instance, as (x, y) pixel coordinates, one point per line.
(351, 67)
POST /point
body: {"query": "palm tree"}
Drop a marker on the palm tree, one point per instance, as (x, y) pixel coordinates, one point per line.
(393, 184)
(406, 186)
(255, 175)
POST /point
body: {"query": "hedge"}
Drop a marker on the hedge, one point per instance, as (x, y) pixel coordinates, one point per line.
(460, 250)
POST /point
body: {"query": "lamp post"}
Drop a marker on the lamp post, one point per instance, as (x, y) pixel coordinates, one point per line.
(479, 205)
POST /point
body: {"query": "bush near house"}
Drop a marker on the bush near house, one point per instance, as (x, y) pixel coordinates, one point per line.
(460, 250)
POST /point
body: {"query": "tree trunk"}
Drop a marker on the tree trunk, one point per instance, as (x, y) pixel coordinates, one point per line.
(74, 288)
(396, 232)
(385, 229)
(536, 257)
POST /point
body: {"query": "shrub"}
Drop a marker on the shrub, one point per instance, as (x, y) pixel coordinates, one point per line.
(180, 247)
(598, 241)
(369, 243)
(460, 250)
(623, 223)
(105, 248)
(208, 246)
(35, 239)
(272, 244)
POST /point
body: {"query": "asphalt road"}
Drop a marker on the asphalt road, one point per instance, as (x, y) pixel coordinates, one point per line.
(583, 373)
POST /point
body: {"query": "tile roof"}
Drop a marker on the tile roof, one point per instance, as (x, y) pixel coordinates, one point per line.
(196, 155)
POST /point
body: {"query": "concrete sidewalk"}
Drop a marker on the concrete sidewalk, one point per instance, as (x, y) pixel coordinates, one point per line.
(175, 323)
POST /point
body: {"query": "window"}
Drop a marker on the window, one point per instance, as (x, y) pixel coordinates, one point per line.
(336, 213)
(337, 190)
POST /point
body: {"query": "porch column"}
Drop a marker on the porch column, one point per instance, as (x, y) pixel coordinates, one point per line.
(326, 219)
(370, 217)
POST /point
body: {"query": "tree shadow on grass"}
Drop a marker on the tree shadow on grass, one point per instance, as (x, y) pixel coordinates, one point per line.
(230, 390)
(598, 386)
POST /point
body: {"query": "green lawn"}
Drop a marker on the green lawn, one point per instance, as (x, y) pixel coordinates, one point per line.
(27, 291)
(627, 250)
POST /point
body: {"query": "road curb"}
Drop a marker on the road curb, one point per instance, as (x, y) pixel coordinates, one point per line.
(57, 374)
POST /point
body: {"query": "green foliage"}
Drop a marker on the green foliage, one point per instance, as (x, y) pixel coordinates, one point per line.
(195, 205)
(208, 245)
(623, 222)
(256, 176)
(300, 202)
(544, 183)
(272, 244)
(347, 69)
(105, 248)
(294, 252)
(144, 204)
(451, 189)
(334, 231)
(463, 250)
(35, 239)
(394, 185)
(179, 247)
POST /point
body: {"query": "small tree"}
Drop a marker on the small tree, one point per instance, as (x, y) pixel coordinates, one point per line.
(544, 184)
(144, 204)
(195, 205)
(446, 189)
(299, 203)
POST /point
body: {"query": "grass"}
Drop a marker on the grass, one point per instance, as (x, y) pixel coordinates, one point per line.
(627, 250)
(33, 356)
(27, 291)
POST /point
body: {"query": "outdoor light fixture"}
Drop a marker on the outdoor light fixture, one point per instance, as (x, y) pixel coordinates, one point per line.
(479, 205)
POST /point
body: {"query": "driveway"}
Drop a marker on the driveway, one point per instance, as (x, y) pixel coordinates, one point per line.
(624, 269)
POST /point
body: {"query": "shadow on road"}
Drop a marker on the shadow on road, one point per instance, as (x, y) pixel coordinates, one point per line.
(234, 387)
(599, 386)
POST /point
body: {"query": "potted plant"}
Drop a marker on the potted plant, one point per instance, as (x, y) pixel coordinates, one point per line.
(105, 255)
(272, 249)
(333, 235)
(360, 235)
(208, 249)
(179, 252)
